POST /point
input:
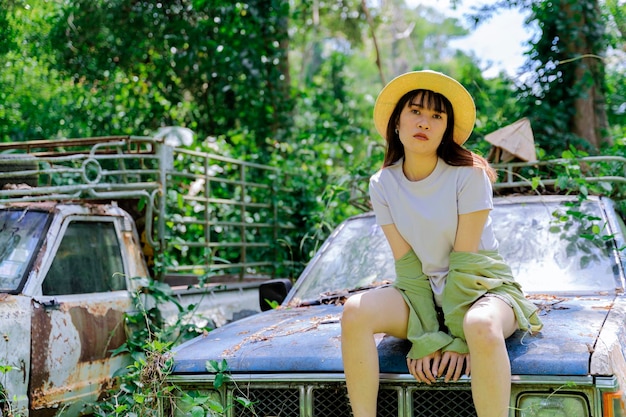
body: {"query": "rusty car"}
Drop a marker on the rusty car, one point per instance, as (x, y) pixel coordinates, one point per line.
(70, 252)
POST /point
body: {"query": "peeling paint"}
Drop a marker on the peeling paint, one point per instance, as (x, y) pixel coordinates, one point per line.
(72, 345)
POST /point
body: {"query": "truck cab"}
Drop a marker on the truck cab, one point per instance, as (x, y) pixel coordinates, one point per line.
(65, 274)
(81, 219)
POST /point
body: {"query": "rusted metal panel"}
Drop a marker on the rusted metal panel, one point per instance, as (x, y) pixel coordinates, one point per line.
(134, 255)
(15, 349)
(72, 340)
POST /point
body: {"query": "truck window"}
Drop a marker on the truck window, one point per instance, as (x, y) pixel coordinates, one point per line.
(21, 233)
(88, 260)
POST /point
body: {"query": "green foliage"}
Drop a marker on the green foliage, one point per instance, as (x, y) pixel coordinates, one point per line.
(129, 67)
(7, 41)
(5, 403)
(496, 104)
(565, 67)
(579, 229)
(616, 100)
(196, 403)
(330, 145)
(572, 73)
(142, 388)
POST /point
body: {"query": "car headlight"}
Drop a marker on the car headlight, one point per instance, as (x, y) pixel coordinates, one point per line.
(207, 403)
(552, 405)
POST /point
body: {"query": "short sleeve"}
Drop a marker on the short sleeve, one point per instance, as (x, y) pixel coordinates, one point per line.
(379, 200)
(474, 191)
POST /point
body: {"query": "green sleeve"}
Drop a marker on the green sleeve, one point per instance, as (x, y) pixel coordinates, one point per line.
(423, 326)
(471, 276)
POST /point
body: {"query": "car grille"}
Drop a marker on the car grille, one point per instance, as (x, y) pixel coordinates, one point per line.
(330, 399)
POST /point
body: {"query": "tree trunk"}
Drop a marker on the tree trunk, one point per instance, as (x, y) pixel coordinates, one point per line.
(585, 50)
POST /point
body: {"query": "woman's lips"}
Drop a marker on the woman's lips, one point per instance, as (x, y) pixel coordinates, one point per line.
(420, 136)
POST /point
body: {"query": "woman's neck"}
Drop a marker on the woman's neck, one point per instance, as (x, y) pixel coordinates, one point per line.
(417, 168)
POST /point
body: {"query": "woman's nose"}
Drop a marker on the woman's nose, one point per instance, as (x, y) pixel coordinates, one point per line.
(423, 124)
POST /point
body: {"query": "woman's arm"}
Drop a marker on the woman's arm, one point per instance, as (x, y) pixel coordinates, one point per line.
(399, 246)
(424, 369)
(469, 231)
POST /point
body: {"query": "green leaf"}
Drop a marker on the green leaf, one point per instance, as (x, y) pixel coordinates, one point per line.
(244, 401)
(212, 366)
(219, 380)
(216, 406)
(535, 182)
(197, 411)
(5, 368)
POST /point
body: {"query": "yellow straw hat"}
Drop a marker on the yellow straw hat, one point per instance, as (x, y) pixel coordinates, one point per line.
(462, 102)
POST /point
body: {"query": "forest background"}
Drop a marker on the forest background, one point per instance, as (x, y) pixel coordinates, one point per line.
(292, 83)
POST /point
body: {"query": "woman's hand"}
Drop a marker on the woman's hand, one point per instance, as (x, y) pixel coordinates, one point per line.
(452, 363)
(425, 369)
(428, 368)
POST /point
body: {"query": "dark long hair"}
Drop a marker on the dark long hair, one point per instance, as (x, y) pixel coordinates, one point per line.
(451, 152)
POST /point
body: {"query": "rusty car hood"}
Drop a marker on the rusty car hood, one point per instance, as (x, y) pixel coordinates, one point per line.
(308, 339)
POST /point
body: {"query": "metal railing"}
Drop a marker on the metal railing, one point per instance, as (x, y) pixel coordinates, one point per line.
(529, 177)
(233, 208)
(209, 214)
(529, 174)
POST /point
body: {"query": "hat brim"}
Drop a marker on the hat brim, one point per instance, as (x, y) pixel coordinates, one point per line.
(460, 98)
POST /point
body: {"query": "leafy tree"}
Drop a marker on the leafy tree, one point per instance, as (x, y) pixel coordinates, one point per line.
(210, 65)
(564, 94)
(30, 92)
(615, 15)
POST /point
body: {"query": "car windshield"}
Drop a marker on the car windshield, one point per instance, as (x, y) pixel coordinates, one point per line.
(21, 232)
(550, 246)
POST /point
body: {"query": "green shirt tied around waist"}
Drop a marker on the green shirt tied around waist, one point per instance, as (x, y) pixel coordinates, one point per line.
(471, 275)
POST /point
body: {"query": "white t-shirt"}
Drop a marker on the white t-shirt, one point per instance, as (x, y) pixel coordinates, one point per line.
(426, 212)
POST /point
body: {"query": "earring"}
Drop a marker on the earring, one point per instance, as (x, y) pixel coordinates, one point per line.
(396, 131)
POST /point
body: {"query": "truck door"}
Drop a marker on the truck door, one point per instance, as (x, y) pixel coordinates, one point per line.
(14, 353)
(22, 232)
(79, 319)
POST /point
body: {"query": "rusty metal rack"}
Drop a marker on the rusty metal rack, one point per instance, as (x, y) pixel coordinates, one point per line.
(529, 177)
(524, 175)
(102, 168)
(219, 215)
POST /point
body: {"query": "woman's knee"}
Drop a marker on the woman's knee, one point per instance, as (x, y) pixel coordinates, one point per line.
(382, 310)
(482, 325)
(485, 321)
(478, 325)
(354, 312)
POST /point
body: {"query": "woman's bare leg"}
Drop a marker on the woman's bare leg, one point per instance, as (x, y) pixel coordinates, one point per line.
(364, 315)
(487, 324)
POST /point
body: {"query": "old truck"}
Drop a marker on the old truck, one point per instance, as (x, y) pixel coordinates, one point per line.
(81, 219)
(567, 251)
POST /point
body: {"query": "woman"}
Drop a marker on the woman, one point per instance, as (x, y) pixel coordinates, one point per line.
(432, 199)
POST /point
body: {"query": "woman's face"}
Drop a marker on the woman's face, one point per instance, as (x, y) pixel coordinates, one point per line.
(421, 128)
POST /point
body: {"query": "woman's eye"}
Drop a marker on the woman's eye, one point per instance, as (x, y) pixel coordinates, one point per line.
(415, 111)
(436, 116)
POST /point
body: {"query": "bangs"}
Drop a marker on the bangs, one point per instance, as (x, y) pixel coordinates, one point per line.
(429, 100)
